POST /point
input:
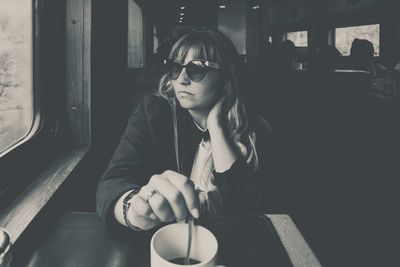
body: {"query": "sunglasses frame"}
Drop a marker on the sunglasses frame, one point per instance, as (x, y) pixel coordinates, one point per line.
(201, 63)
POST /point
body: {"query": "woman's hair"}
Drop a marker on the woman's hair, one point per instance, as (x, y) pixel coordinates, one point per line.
(216, 47)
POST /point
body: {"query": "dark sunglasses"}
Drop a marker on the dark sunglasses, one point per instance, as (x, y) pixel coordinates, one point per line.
(196, 69)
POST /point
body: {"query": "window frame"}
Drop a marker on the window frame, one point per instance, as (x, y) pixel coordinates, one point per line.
(40, 131)
(39, 167)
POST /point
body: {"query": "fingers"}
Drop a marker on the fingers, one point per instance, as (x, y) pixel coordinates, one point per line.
(161, 208)
(175, 196)
(172, 194)
(141, 215)
(186, 189)
(142, 208)
(157, 203)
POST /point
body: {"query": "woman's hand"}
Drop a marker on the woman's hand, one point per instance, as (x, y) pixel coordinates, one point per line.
(222, 150)
(166, 197)
(214, 116)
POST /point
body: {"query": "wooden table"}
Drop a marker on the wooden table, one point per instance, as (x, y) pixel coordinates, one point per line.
(80, 239)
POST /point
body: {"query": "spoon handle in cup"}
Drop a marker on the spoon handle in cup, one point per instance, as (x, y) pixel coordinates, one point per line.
(189, 245)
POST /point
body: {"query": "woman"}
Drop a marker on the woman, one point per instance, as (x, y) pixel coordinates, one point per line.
(221, 149)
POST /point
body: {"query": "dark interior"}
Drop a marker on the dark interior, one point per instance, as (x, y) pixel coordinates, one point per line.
(337, 146)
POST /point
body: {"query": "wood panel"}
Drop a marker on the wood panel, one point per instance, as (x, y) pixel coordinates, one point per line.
(78, 42)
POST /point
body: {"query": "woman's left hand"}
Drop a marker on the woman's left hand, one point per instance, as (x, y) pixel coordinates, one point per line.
(214, 116)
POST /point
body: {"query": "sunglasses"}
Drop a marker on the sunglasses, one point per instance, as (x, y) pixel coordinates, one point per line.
(196, 69)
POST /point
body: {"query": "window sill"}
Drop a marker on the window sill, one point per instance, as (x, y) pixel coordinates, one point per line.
(21, 212)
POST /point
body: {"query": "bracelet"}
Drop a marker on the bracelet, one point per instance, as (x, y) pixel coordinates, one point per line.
(126, 204)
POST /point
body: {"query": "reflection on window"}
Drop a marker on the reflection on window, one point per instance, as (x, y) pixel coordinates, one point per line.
(155, 40)
(16, 91)
(345, 36)
(135, 36)
(298, 38)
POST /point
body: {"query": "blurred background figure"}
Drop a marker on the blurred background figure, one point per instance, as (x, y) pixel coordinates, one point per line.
(287, 55)
(361, 54)
(362, 57)
(325, 59)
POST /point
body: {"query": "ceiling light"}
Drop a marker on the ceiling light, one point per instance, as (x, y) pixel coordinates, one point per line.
(256, 7)
(222, 6)
(182, 7)
(182, 14)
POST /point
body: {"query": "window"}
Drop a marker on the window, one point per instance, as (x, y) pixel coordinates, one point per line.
(16, 77)
(135, 36)
(298, 38)
(345, 36)
(232, 22)
(155, 40)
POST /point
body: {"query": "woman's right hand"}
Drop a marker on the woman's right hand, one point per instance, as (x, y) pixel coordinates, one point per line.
(168, 196)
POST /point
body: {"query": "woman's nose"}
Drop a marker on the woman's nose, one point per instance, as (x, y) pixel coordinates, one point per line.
(183, 77)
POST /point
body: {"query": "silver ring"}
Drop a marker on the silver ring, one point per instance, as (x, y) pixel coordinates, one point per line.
(150, 194)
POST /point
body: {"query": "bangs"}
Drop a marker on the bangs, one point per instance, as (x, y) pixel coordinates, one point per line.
(201, 47)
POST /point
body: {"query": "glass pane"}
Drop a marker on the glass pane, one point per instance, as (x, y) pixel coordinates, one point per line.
(345, 36)
(298, 38)
(16, 91)
(135, 36)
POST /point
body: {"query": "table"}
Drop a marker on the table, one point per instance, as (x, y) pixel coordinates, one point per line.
(79, 239)
(298, 250)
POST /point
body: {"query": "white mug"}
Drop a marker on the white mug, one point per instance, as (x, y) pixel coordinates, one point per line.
(170, 242)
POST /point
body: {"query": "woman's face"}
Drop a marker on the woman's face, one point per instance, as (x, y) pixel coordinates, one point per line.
(197, 96)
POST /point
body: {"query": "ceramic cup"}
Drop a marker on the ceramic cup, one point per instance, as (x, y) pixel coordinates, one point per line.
(170, 242)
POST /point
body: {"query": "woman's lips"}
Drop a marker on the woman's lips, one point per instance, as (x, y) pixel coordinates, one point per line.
(184, 93)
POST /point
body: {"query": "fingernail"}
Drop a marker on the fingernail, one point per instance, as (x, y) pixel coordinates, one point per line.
(195, 213)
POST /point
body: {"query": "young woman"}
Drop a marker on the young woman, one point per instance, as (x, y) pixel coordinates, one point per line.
(198, 117)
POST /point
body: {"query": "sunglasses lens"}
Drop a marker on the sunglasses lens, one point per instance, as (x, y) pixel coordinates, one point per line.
(196, 72)
(175, 70)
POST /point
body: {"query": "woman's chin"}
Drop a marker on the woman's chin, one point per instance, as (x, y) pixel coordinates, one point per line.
(191, 105)
(186, 104)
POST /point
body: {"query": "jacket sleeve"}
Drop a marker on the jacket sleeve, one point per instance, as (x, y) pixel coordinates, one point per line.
(127, 167)
(242, 189)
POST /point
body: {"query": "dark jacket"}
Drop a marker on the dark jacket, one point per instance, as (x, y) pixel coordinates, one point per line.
(147, 148)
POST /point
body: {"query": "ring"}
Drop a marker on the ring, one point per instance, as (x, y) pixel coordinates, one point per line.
(150, 194)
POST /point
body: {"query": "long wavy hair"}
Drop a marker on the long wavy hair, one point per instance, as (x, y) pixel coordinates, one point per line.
(216, 47)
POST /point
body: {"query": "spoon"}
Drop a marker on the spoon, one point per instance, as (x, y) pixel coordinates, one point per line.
(180, 170)
(189, 245)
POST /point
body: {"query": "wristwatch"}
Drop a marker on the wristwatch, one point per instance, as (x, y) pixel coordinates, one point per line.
(126, 204)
